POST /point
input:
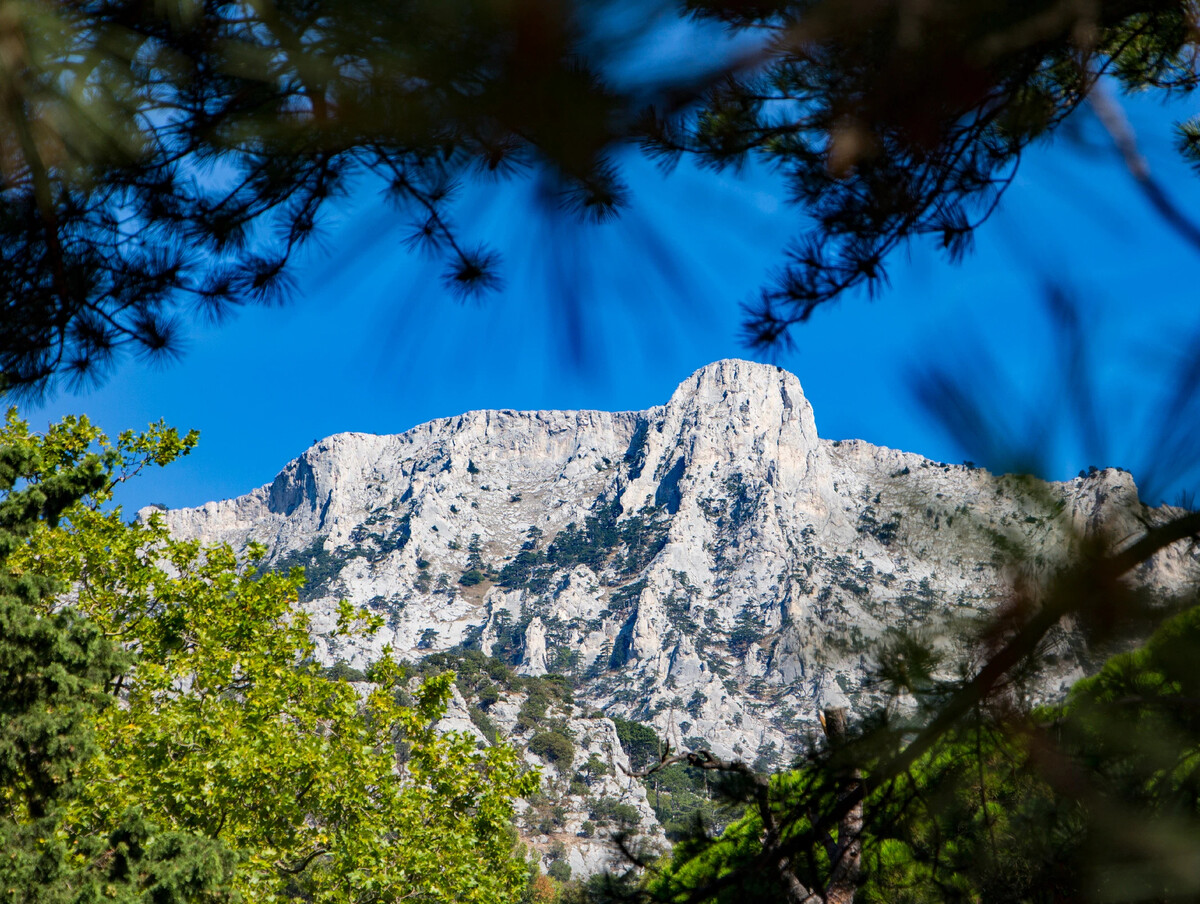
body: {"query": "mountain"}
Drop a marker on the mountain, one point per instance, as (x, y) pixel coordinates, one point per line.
(710, 567)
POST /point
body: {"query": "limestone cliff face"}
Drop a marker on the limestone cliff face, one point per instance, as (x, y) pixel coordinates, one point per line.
(710, 566)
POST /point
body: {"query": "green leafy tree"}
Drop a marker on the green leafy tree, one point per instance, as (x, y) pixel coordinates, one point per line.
(57, 672)
(553, 746)
(640, 742)
(227, 734)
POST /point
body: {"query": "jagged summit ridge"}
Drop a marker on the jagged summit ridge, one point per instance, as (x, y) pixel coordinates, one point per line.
(709, 565)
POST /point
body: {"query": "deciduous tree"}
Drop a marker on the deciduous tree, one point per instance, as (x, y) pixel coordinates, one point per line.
(57, 675)
(219, 735)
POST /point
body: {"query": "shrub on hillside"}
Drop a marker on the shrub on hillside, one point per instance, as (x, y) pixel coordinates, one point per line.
(552, 746)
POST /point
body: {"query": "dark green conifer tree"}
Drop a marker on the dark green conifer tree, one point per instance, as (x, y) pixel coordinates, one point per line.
(56, 672)
(162, 161)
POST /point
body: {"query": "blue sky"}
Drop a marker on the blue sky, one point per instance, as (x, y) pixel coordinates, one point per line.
(374, 344)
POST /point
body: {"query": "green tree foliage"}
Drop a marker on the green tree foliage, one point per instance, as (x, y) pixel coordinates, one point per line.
(695, 863)
(553, 746)
(640, 742)
(227, 735)
(606, 809)
(560, 870)
(477, 572)
(57, 672)
(681, 799)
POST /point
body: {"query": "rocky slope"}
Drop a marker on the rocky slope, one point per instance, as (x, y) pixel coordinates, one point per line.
(709, 566)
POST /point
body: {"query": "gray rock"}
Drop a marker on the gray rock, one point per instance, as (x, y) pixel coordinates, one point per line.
(709, 566)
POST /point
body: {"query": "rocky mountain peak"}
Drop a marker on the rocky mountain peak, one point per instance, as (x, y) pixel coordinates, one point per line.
(729, 416)
(736, 391)
(709, 566)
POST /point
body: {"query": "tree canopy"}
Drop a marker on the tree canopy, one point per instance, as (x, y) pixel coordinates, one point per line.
(170, 734)
(164, 161)
(58, 674)
(892, 121)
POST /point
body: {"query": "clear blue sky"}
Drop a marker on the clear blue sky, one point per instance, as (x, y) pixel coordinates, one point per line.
(374, 344)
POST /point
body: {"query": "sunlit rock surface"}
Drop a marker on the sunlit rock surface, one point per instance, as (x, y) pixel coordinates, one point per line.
(709, 566)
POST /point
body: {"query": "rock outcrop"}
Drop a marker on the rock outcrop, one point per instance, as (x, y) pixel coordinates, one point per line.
(709, 566)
